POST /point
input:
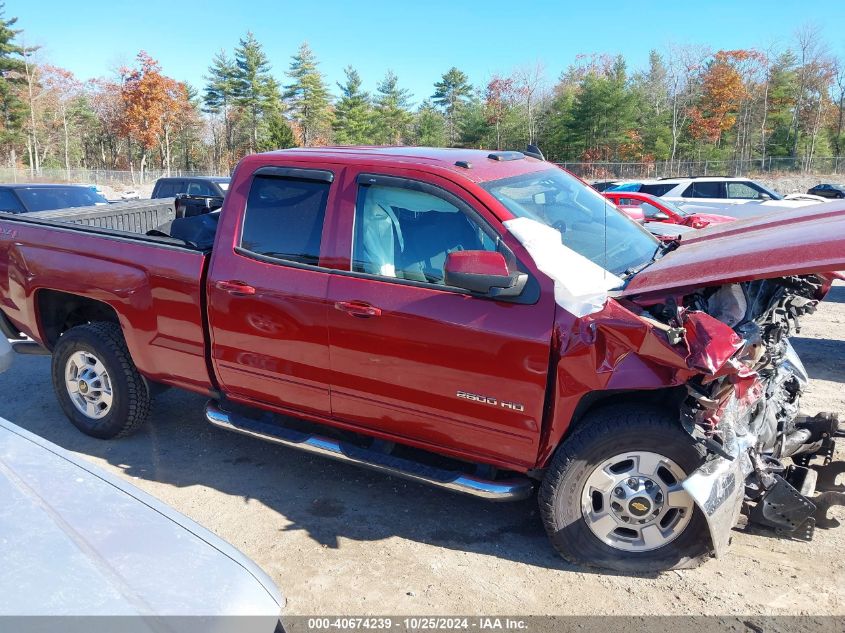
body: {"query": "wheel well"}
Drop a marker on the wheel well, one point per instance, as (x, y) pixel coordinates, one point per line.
(669, 398)
(59, 311)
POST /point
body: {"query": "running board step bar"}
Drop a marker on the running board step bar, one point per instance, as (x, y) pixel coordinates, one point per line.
(514, 489)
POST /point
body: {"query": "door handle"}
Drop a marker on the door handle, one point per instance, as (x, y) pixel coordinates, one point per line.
(237, 288)
(358, 309)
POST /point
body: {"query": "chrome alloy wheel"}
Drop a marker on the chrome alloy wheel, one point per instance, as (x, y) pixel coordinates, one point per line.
(89, 385)
(634, 501)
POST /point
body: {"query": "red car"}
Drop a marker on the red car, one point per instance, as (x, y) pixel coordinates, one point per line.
(658, 210)
(480, 322)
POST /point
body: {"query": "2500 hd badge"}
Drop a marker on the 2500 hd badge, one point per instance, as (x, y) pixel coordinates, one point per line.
(474, 397)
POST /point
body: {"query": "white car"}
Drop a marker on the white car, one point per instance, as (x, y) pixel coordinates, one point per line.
(736, 197)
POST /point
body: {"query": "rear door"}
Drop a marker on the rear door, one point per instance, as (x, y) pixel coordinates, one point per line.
(419, 360)
(267, 292)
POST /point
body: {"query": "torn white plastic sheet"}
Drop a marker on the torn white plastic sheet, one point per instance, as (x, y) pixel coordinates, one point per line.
(581, 286)
(5, 354)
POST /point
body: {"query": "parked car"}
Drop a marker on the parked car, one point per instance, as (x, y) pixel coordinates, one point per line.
(827, 191)
(656, 209)
(480, 322)
(735, 197)
(193, 186)
(40, 197)
(82, 542)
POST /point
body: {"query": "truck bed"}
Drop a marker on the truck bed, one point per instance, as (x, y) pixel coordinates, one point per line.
(152, 285)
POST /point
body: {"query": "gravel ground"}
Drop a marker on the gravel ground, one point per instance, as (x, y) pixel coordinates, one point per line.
(341, 540)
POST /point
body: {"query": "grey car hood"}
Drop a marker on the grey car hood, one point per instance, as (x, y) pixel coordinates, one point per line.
(75, 540)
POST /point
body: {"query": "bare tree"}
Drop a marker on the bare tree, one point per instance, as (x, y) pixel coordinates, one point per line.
(530, 82)
(683, 65)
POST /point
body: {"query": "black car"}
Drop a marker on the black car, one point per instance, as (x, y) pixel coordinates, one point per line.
(17, 198)
(193, 186)
(828, 191)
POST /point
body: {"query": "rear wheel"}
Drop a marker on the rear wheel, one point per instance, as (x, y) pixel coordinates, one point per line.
(96, 382)
(612, 496)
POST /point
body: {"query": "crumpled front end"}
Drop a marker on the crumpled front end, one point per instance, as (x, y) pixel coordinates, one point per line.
(721, 355)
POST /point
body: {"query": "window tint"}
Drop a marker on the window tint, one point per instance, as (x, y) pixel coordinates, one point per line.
(657, 189)
(284, 218)
(9, 202)
(407, 234)
(704, 190)
(198, 188)
(742, 190)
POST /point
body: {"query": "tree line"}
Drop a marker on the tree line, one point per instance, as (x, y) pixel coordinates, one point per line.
(689, 102)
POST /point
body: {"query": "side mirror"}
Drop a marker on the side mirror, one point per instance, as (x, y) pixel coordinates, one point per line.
(764, 197)
(661, 216)
(483, 272)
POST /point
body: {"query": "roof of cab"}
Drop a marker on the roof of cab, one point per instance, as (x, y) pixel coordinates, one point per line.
(481, 166)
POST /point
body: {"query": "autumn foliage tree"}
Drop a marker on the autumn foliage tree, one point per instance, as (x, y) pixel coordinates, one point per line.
(152, 107)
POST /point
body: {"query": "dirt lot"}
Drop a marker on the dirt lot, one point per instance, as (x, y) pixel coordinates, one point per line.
(340, 540)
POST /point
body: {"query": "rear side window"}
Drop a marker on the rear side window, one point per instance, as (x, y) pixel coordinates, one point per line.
(742, 190)
(284, 218)
(704, 190)
(656, 189)
(9, 202)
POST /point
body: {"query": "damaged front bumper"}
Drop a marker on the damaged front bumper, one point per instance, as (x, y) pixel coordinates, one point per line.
(787, 504)
(718, 489)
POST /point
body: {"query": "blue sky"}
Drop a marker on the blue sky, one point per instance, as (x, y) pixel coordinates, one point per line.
(419, 40)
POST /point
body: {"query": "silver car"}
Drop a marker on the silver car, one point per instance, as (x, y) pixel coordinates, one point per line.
(78, 541)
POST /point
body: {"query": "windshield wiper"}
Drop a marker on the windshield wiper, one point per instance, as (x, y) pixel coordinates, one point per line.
(660, 251)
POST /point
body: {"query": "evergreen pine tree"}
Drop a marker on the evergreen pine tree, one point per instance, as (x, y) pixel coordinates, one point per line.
(308, 96)
(451, 93)
(353, 112)
(255, 89)
(392, 117)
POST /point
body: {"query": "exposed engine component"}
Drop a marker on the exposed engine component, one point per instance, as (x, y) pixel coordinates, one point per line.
(756, 398)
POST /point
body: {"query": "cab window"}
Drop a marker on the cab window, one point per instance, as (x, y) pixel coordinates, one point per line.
(407, 233)
(201, 189)
(284, 218)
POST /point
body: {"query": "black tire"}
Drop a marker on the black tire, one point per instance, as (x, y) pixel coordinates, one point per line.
(605, 434)
(130, 405)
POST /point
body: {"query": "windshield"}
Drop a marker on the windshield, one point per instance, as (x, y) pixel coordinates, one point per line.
(588, 223)
(50, 198)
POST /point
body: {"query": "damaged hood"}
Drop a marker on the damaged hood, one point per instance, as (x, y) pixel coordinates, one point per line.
(793, 242)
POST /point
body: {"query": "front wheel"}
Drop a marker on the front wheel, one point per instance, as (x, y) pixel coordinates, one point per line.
(96, 382)
(612, 496)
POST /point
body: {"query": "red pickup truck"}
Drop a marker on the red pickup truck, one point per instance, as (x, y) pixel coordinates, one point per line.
(481, 322)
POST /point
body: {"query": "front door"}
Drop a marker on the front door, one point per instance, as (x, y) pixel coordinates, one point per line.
(421, 361)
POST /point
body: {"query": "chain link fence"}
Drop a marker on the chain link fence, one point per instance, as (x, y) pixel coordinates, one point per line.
(666, 169)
